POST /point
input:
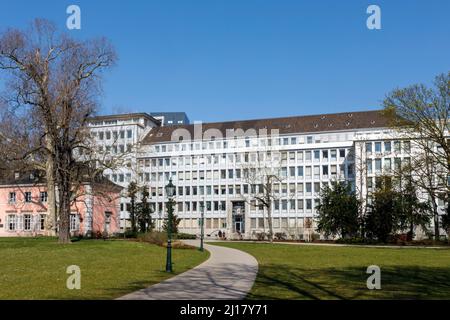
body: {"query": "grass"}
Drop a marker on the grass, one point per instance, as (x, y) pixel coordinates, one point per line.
(35, 268)
(326, 272)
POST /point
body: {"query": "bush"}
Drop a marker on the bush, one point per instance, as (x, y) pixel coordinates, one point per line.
(155, 237)
(130, 234)
(280, 236)
(160, 239)
(185, 236)
(260, 236)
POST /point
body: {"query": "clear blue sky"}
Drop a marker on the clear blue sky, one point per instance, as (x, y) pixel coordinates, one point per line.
(245, 59)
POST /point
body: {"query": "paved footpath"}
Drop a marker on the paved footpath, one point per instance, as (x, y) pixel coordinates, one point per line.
(227, 274)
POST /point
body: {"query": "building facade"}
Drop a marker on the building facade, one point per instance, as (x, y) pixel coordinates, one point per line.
(212, 164)
(119, 136)
(171, 118)
(24, 210)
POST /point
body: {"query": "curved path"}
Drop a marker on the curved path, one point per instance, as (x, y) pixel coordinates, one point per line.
(227, 274)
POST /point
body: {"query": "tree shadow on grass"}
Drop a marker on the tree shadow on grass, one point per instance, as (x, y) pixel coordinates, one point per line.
(402, 282)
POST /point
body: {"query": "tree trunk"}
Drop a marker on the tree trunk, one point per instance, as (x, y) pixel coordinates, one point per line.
(436, 221)
(52, 217)
(269, 217)
(133, 216)
(64, 193)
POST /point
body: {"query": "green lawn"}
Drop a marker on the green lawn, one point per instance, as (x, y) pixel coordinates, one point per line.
(35, 268)
(324, 272)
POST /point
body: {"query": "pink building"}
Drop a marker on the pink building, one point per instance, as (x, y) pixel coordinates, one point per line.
(23, 207)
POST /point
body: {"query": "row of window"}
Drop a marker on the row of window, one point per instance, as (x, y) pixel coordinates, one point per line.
(255, 223)
(388, 164)
(30, 222)
(235, 158)
(377, 146)
(115, 149)
(247, 142)
(245, 189)
(27, 197)
(291, 205)
(318, 172)
(25, 222)
(114, 135)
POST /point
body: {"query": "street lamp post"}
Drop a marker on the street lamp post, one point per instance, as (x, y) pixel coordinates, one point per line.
(170, 192)
(202, 225)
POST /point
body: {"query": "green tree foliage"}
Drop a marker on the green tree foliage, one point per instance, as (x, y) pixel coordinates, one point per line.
(132, 194)
(144, 212)
(175, 223)
(412, 212)
(384, 216)
(338, 210)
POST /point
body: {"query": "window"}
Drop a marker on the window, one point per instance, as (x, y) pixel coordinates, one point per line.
(316, 155)
(277, 205)
(387, 146)
(12, 197)
(12, 222)
(377, 147)
(387, 164)
(309, 139)
(308, 172)
(369, 147)
(397, 146)
(42, 221)
(406, 146)
(300, 205)
(129, 134)
(369, 166)
(27, 196)
(292, 171)
(308, 155)
(342, 153)
(378, 165)
(300, 188)
(333, 154)
(316, 172)
(27, 222)
(308, 187)
(74, 222)
(300, 171)
(292, 205)
(308, 204)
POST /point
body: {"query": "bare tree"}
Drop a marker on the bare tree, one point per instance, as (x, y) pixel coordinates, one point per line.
(261, 173)
(361, 181)
(422, 115)
(56, 79)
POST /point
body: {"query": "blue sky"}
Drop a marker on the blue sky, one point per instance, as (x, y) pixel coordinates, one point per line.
(246, 59)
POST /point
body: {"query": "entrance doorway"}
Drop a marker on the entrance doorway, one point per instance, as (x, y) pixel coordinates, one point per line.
(238, 217)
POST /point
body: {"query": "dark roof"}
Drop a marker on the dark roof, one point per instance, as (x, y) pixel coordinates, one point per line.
(124, 116)
(286, 125)
(38, 177)
(29, 177)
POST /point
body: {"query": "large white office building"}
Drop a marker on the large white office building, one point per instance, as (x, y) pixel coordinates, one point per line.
(210, 165)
